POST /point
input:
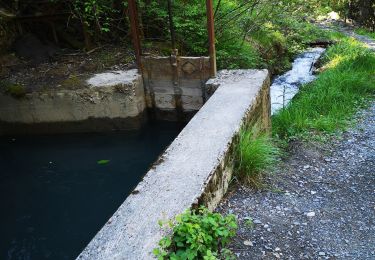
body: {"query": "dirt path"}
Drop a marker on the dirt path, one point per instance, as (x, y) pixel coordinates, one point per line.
(322, 203)
(321, 200)
(349, 31)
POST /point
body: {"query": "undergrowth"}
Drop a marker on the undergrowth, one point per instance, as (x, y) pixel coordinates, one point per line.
(198, 234)
(255, 154)
(365, 32)
(327, 104)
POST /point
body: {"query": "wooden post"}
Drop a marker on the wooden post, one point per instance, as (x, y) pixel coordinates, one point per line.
(134, 27)
(211, 37)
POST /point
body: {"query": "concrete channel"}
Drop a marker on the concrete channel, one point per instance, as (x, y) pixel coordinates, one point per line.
(194, 170)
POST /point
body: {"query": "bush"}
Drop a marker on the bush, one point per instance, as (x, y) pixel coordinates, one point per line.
(198, 235)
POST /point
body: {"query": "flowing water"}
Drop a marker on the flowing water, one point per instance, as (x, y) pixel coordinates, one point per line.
(286, 86)
(57, 191)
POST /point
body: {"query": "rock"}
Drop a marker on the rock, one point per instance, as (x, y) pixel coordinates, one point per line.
(322, 254)
(310, 214)
(248, 243)
(306, 167)
(257, 221)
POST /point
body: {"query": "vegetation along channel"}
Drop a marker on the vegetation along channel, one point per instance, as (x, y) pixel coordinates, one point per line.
(175, 129)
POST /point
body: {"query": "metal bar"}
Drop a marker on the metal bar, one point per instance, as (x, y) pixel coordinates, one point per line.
(211, 37)
(134, 27)
(171, 25)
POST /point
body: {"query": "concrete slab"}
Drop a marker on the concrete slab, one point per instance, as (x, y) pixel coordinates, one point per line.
(195, 169)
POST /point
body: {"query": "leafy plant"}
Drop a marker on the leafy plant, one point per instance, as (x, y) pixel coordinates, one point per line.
(102, 162)
(199, 234)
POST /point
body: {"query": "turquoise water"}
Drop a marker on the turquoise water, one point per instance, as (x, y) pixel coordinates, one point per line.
(55, 196)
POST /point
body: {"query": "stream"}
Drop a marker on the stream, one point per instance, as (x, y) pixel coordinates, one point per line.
(286, 86)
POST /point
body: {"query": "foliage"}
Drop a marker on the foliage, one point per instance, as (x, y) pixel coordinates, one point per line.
(102, 162)
(249, 34)
(362, 11)
(326, 104)
(95, 14)
(198, 234)
(255, 153)
(365, 32)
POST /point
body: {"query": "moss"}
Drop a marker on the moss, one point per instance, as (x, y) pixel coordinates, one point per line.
(14, 89)
(72, 82)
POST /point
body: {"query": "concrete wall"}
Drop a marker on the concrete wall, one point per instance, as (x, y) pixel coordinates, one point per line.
(195, 169)
(114, 95)
(175, 84)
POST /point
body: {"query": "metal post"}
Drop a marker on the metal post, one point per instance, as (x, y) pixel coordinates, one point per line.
(211, 37)
(171, 25)
(134, 27)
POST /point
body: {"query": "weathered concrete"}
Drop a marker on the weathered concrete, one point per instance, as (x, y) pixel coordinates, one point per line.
(175, 83)
(195, 169)
(114, 95)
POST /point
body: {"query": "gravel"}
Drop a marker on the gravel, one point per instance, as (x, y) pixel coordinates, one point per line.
(320, 203)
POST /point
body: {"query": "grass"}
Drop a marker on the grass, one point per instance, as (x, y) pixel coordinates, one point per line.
(327, 104)
(365, 32)
(255, 154)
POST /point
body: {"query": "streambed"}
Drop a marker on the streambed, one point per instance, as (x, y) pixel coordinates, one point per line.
(286, 86)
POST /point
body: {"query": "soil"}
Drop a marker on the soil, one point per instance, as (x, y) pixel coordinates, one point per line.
(320, 204)
(35, 66)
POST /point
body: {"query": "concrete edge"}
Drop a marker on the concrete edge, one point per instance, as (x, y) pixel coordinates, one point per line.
(195, 169)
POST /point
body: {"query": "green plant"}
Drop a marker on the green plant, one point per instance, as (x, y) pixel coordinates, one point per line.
(363, 31)
(249, 222)
(327, 104)
(255, 153)
(13, 89)
(198, 234)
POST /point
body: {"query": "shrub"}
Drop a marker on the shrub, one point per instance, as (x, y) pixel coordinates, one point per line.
(198, 234)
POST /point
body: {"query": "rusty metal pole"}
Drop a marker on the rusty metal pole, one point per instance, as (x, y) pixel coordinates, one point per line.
(134, 27)
(171, 25)
(211, 37)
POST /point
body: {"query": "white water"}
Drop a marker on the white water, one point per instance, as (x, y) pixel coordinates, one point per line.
(286, 86)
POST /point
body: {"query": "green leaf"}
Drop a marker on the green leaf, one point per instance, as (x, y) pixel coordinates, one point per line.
(102, 162)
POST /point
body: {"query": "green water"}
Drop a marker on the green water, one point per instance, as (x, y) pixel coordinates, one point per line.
(56, 192)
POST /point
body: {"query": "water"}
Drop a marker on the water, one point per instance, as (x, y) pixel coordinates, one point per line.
(54, 196)
(286, 86)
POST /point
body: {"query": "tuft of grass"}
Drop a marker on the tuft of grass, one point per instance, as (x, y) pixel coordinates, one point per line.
(327, 104)
(255, 154)
(365, 32)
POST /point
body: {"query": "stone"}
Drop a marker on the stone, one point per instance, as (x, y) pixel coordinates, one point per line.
(248, 243)
(310, 214)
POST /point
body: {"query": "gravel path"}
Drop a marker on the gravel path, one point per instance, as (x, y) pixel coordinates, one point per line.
(320, 204)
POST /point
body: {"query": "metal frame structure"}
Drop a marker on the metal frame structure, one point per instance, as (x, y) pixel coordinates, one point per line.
(134, 26)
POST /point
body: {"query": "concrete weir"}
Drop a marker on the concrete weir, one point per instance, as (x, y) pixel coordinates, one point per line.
(195, 169)
(112, 98)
